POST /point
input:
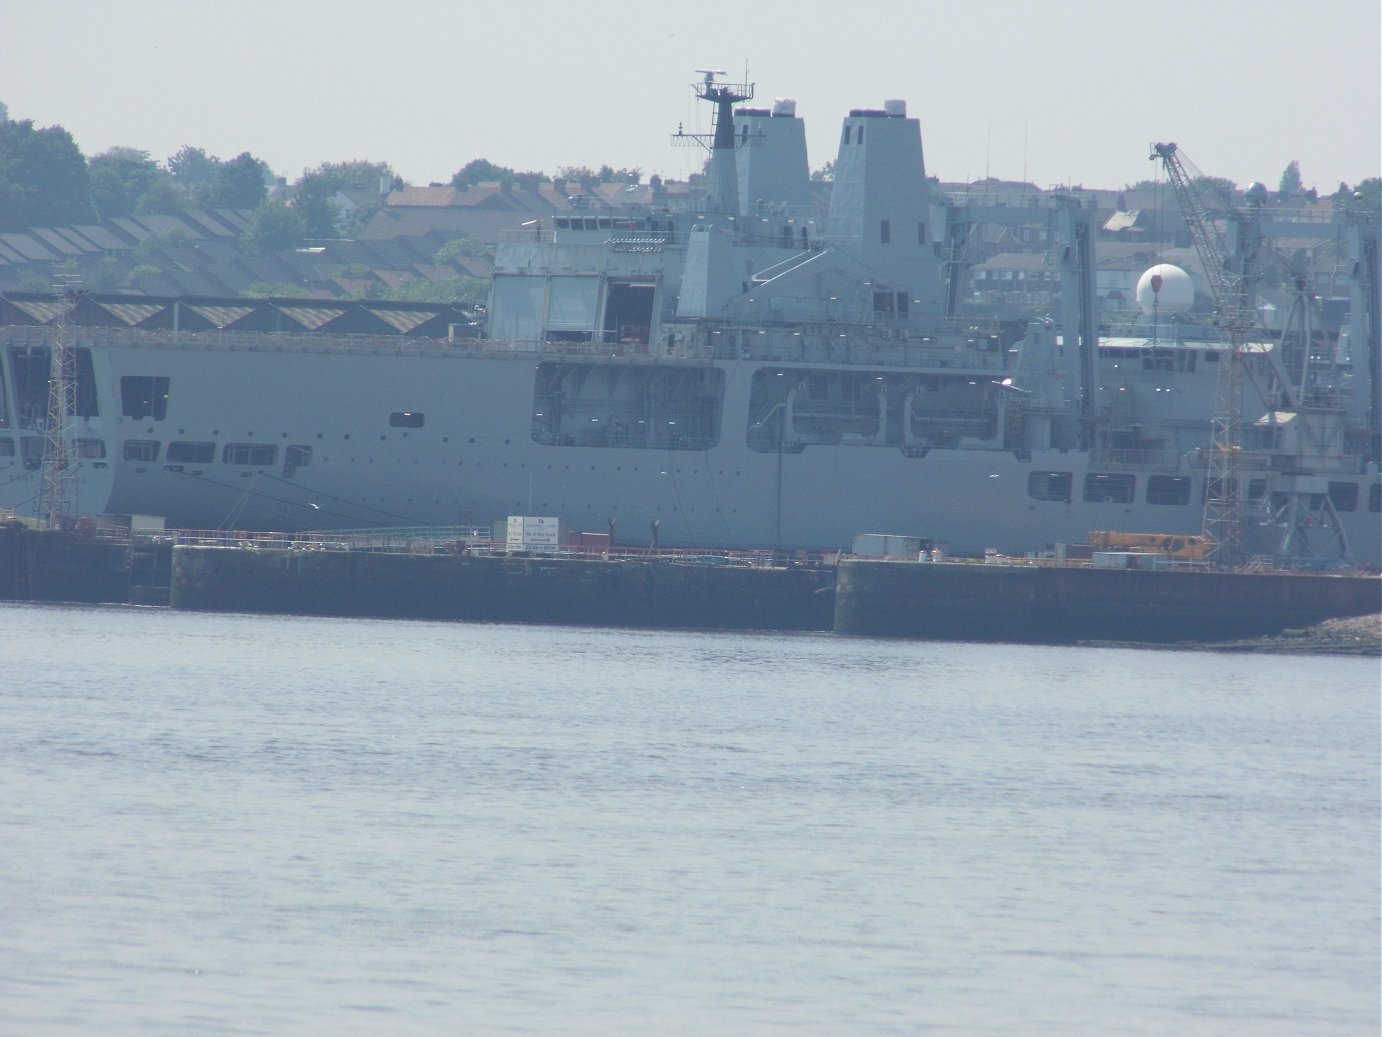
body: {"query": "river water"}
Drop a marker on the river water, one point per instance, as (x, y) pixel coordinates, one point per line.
(215, 824)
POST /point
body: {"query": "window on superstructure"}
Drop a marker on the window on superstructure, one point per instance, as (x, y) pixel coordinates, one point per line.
(1375, 498)
(6, 447)
(1049, 486)
(31, 448)
(295, 457)
(87, 406)
(94, 449)
(256, 455)
(1109, 488)
(1168, 489)
(141, 450)
(192, 452)
(406, 419)
(144, 396)
(1344, 496)
(885, 231)
(846, 134)
(921, 234)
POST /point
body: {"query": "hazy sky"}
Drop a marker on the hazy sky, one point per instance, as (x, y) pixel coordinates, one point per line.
(1066, 91)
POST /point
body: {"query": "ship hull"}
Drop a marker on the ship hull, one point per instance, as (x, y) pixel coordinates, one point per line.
(471, 457)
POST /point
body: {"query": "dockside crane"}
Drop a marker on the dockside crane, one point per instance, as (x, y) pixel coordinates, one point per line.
(1310, 526)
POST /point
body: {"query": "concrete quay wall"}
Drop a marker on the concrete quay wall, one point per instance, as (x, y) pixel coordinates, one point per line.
(1043, 604)
(501, 588)
(46, 565)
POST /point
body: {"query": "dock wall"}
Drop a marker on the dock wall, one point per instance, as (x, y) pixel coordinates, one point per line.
(1043, 604)
(502, 588)
(52, 566)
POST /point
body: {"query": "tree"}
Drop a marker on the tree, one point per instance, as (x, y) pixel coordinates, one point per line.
(120, 178)
(1290, 181)
(313, 203)
(239, 183)
(479, 171)
(358, 175)
(1368, 194)
(43, 177)
(273, 226)
(192, 169)
(825, 174)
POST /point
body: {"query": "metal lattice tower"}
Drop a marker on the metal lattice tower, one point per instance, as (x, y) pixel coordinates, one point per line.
(1234, 299)
(58, 496)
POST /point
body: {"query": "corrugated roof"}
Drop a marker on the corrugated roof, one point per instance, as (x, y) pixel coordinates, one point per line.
(41, 310)
(131, 314)
(312, 317)
(222, 316)
(101, 237)
(403, 321)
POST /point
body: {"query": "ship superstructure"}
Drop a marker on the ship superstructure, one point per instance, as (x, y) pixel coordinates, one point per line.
(758, 372)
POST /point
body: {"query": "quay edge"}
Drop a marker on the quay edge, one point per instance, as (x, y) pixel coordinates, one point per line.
(654, 593)
(1056, 605)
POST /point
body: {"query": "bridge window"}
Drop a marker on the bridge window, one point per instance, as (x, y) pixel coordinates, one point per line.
(1049, 486)
(1109, 488)
(90, 448)
(1168, 489)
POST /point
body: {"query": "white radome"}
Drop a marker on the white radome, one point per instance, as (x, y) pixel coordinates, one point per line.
(1177, 293)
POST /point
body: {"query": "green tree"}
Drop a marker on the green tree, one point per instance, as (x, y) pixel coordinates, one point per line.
(43, 177)
(240, 183)
(313, 202)
(273, 226)
(120, 178)
(1368, 193)
(193, 170)
(465, 245)
(358, 175)
(1290, 183)
(825, 174)
(480, 171)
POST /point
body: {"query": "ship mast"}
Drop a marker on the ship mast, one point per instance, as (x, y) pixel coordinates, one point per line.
(723, 196)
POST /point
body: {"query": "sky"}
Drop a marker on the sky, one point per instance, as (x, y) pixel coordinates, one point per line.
(1064, 92)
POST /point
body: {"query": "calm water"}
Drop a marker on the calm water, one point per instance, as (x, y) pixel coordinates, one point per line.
(253, 825)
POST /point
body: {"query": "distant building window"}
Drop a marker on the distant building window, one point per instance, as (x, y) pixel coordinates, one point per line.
(1109, 488)
(192, 453)
(1168, 489)
(6, 447)
(141, 450)
(885, 232)
(846, 134)
(921, 234)
(1344, 496)
(94, 449)
(860, 138)
(406, 419)
(1375, 497)
(1049, 486)
(256, 455)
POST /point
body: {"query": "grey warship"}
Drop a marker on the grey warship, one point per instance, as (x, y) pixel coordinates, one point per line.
(749, 373)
